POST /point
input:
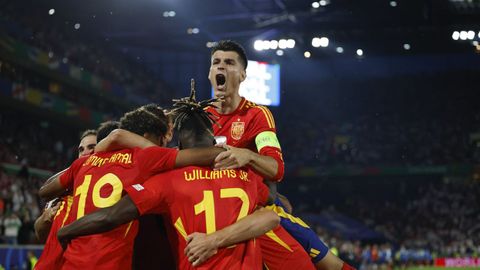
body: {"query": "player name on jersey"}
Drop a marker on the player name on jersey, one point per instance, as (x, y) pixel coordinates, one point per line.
(93, 160)
(199, 174)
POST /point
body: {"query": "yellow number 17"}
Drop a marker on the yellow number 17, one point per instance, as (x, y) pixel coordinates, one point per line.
(207, 205)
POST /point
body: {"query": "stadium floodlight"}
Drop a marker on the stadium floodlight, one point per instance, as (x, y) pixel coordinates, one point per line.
(166, 14)
(290, 43)
(323, 3)
(339, 50)
(316, 42)
(393, 3)
(324, 42)
(282, 43)
(195, 30)
(478, 34)
(279, 52)
(273, 44)
(77, 26)
(463, 35)
(307, 54)
(315, 4)
(360, 52)
(258, 45)
(266, 44)
(51, 11)
(406, 46)
(172, 13)
(470, 35)
(455, 35)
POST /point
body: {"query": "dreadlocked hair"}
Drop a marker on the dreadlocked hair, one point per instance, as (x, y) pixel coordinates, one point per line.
(187, 107)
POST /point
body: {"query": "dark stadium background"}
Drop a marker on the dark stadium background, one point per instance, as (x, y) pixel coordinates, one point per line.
(382, 150)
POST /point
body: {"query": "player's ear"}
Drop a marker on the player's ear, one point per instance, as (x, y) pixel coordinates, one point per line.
(243, 75)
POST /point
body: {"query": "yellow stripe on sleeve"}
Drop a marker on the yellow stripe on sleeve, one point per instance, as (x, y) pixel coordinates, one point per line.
(277, 239)
(69, 203)
(128, 228)
(180, 228)
(281, 213)
(268, 116)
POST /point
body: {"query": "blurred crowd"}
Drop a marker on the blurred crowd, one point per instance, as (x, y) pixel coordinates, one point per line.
(387, 123)
(57, 37)
(440, 221)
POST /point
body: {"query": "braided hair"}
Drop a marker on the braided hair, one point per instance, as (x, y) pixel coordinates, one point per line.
(192, 121)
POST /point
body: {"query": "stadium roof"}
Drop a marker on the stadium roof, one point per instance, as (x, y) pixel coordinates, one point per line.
(381, 26)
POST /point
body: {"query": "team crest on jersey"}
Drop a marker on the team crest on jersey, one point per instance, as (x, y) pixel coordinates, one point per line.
(237, 130)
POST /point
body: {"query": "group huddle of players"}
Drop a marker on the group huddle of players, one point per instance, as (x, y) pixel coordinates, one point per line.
(219, 204)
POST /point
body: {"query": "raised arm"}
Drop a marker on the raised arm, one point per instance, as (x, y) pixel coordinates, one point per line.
(52, 188)
(43, 223)
(197, 156)
(120, 139)
(102, 220)
(202, 246)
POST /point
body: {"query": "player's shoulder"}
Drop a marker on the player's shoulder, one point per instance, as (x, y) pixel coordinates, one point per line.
(255, 108)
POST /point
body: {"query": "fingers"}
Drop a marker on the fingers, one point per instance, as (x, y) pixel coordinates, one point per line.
(222, 156)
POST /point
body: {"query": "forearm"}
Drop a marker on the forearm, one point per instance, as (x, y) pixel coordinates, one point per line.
(52, 188)
(96, 222)
(121, 139)
(197, 156)
(102, 220)
(251, 226)
(42, 227)
(265, 166)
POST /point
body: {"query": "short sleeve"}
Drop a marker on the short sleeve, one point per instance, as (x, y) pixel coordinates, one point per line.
(156, 159)
(68, 176)
(151, 196)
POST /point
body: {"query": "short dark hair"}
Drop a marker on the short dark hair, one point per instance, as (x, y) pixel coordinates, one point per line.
(88, 132)
(231, 46)
(145, 119)
(105, 128)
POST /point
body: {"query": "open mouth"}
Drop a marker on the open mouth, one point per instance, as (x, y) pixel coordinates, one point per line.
(220, 79)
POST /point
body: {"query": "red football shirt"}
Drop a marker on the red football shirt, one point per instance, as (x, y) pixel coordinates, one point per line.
(52, 254)
(197, 199)
(98, 182)
(241, 127)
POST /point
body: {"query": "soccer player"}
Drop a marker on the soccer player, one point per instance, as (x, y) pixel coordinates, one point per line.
(88, 140)
(250, 133)
(56, 211)
(194, 199)
(97, 181)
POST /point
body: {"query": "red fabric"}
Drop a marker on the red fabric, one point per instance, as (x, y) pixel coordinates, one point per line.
(257, 119)
(98, 182)
(176, 194)
(52, 254)
(277, 257)
(242, 126)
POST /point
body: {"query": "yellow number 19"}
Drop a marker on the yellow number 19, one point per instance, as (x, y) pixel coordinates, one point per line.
(98, 201)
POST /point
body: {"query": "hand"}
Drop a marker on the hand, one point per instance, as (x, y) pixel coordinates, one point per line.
(200, 247)
(63, 239)
(233, 158)
(51, 212)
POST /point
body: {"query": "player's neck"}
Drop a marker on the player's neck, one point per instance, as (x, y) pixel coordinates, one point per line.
(229, 105)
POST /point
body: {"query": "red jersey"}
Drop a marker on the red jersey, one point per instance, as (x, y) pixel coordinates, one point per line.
(97, 182)
(242, 126)
(242, 129)
(52, 254)
(197, 199)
